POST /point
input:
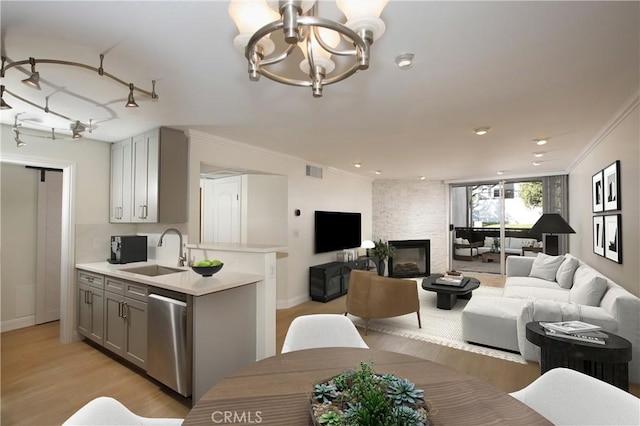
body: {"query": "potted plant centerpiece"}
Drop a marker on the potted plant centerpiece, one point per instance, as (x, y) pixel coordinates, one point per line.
(365, 398)
(382, 251)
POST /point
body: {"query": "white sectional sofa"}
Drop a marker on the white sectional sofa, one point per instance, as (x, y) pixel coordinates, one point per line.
(539, 290)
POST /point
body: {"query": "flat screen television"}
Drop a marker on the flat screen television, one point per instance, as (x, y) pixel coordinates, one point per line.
(337, 231)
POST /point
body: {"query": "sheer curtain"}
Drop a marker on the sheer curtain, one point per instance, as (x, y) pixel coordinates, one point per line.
(555, 199)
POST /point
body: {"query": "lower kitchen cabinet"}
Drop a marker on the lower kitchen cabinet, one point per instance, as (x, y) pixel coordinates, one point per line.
(113, 313)
(125, 322)
(91, 306)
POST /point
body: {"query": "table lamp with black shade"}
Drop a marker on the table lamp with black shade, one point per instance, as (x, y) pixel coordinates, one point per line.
(551, 224)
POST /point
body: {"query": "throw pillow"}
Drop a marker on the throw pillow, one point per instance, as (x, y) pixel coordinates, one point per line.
(545, 266)
(488, 241)
(465, 241)
(588, 288)
(458, 240)
(564, 276)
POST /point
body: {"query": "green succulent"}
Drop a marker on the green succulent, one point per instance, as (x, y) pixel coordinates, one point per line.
(324, 393)
(402, 390)
(406, 416)
(341, 381)
(331, 418)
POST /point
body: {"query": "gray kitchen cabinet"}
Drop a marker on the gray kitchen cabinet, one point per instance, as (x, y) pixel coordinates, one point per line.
(149, 178)
(91, 306)
(125, 320)
(121, 169)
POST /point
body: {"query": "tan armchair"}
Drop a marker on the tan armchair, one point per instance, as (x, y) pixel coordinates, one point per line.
(371, 296)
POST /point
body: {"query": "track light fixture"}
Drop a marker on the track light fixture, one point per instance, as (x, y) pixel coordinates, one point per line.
(34, 81)
(34, 78)
(77, 128)
(318, 38)
(16, 130)
(131, 103)
(3, 104)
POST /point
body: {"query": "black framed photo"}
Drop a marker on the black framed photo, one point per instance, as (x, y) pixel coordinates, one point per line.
(597, 192)
(598, 235)
(611, 180)
(613, 237)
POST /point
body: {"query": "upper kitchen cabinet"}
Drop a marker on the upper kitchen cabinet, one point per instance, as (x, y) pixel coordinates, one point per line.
(120, 207)
(149, 178)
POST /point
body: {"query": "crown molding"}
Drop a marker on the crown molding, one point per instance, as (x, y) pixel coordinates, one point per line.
(626, 109)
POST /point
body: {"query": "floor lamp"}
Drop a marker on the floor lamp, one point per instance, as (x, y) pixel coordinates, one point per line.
(551, 224)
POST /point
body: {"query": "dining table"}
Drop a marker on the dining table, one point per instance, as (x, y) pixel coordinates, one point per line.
(277, 390)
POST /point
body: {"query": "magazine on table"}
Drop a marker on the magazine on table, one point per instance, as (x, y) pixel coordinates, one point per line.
(570, 327)
(452, 280)
(597, 337)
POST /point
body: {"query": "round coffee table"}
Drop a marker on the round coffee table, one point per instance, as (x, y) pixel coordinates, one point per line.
(608, 362)
(448, 295)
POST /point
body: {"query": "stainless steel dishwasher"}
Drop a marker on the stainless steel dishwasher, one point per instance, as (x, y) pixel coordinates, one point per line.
(169, 357)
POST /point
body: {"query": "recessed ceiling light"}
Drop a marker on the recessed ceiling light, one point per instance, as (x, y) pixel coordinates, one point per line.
(404, 61)
(357, 165)
(422, 178)
(538, 154)
(480, 131)
(378, 172)
(500, 172)
(536, 163)
(540, 141)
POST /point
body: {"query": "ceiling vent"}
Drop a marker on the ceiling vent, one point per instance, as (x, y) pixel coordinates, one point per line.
(314, 171)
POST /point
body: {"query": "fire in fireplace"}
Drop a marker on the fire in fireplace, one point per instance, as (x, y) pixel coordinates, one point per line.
(412, 258)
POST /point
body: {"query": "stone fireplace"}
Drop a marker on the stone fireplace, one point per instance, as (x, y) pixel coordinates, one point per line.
(412, 258)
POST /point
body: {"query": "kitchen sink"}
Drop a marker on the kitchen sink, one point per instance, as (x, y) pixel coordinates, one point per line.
(153, 270)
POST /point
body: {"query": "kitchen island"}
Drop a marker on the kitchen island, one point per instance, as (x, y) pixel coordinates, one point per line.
(223, 314)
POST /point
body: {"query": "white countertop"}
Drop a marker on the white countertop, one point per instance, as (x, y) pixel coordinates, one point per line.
(251, 248)
(187, 282)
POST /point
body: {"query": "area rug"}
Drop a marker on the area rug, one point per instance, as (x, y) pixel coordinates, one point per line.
(439, 326)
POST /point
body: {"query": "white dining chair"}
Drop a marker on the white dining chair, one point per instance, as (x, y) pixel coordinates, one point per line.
(568, 397)
(106, 411)
(322, 331)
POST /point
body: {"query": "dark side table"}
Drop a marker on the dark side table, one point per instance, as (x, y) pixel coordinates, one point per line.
(608, 362)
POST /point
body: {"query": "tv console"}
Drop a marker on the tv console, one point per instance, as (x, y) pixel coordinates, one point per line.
(331, 280)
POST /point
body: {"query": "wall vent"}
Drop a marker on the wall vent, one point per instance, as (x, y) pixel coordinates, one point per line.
(314, 171)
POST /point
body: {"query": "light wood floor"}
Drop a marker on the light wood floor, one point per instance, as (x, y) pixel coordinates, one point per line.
(44, 382)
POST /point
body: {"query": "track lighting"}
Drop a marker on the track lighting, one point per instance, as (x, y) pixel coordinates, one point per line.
(77, 128)
(15, 129)
(131, 103)
(3, 104)
(34, 78)
(34, 81)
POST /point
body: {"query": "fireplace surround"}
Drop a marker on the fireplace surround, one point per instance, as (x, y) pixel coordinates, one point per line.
(412, 258)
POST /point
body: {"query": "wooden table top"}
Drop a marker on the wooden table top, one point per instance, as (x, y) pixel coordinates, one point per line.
(276, 390)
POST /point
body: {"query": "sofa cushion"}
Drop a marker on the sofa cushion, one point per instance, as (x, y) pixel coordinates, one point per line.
(545, 266)
(564, 276)
(518, 243)
(556, 294)
(588, 288)
(530, 282)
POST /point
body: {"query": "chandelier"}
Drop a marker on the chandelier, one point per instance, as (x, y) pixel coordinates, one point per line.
(318, 38)
(33, 80)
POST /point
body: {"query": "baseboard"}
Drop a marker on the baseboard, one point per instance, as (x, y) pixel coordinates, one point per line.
(17, 323)
(289, 303)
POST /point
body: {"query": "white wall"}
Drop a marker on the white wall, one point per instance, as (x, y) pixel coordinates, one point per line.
(18, 214)
(336, 191)
(413, 210)
(620, 140)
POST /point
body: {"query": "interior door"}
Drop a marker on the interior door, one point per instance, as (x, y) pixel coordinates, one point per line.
(48, 247)
(221, 210)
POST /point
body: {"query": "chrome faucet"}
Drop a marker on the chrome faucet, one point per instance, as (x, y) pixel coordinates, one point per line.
(181, 256)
